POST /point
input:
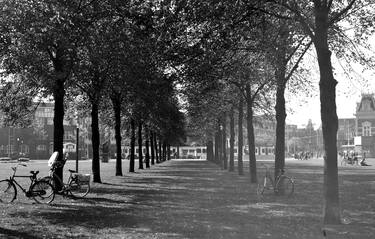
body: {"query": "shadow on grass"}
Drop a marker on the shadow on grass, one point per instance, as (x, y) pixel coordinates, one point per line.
(195, 199)
(7, 233)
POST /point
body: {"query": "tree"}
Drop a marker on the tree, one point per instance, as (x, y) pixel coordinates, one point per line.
(319, 20)
(251, 75)
(39, 39)
(91, 76)
(231, 140)
(132, 146)
(147, 145)
(140, 152)
(16, 101)
(285, 45)
(240, 135)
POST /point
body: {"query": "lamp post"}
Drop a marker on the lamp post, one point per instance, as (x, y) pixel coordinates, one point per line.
(221, 149)
(77, 143)
(77, 149)
(9, 143)
(19, 146)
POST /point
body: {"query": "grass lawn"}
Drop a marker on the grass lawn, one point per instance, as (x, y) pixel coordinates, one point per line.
(193, 199)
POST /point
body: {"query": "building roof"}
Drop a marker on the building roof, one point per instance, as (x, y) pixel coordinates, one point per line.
(367, 103)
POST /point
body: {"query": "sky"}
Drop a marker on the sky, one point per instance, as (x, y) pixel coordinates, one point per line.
(348, 93)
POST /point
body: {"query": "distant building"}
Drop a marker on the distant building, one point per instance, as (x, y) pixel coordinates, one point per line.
(365, 123)
(35, 141)
(346, 132)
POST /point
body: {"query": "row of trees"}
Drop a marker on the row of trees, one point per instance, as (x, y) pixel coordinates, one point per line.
(97, 57)
(264, 45)
(133, 61)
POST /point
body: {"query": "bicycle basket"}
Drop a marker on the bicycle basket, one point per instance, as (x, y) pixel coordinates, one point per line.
(82, 177)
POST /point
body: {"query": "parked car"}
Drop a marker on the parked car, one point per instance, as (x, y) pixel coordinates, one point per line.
(23, 159)
(5, 159)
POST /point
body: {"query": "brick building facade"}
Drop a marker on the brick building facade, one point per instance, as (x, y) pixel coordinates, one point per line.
(365, 123)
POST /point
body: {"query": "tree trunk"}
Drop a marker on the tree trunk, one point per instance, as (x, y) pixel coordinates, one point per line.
(152, 147)
(250, 136)
(240, 136)
(224, 140)
(168, 152)
(217, 145)
(117, 110)
(280, 76)
(164, 150)
(95, 141)
(231, 140)
(132, 146)
(147, 144)
(157, 155)
(160, 151)
(58, 124)
(210, 150)
(327, 87)
(140, 152)
(178, 152)
(280, 123)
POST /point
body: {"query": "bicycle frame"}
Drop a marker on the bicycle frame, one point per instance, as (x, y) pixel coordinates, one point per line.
(19, 185)
(268, 176)
(40, 191)
(13, 180)
(276, 183)
(279, 176)
(77, 185)
(64, 186)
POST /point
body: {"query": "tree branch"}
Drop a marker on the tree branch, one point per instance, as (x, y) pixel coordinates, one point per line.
(341, 13)
(298, 61)
(295, 49)
(299, 17)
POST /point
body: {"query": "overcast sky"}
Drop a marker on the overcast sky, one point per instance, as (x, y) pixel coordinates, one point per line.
(348, 92)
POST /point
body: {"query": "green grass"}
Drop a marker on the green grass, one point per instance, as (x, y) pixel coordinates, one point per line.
(193, 199)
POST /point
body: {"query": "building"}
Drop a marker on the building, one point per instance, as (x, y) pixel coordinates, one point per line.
(35, 141)
(365, 124)
(346, 132)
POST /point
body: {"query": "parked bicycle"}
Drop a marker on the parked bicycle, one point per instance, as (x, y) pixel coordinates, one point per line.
(39, 190)
(282, 185)
(78, 185)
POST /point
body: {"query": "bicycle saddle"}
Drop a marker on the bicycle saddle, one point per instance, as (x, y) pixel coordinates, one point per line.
(34, 172)
(72, 171)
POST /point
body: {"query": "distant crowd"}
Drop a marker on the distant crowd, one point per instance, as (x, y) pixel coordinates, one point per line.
(304, 155)
(347, 157)
(353, 158)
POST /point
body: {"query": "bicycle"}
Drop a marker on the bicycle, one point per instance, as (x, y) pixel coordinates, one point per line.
(282, 185)
(77, 186)
(40, 191)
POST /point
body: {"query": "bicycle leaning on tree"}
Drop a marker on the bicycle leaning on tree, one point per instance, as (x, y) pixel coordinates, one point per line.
(281, 185)
(77, 186)
(39, 190)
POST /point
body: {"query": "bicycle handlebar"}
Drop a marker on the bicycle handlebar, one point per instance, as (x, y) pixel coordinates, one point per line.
(281, 170)
(15, 168)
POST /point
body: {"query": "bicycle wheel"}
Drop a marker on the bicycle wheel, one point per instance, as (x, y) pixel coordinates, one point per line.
(8, 191)
(78, 188)
(42, 192)
(285, 186)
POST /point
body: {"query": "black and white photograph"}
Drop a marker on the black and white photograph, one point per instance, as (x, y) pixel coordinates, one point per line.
(187, 119)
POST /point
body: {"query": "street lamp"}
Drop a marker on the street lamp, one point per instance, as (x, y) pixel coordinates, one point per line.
(77, 143)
